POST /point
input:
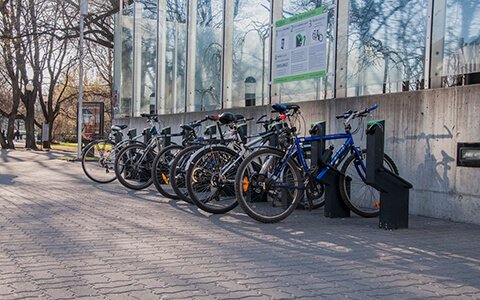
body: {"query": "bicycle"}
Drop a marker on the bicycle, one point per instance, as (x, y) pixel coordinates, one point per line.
(211, 171)
(163, 161)
(98, 157)
(270, 183)
(177, 169)
(133, 163)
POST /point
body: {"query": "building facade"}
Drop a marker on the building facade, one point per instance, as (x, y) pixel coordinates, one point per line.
(175, 56)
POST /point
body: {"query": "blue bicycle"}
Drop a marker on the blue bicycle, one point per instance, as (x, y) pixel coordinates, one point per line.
(270, 183)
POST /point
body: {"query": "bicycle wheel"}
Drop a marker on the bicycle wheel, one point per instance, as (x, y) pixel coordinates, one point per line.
(211, 178)
(177, 172)
(314, 196)
(266, 192)
(133, 167)
(361, 198)
(161, 170)
(98, 161)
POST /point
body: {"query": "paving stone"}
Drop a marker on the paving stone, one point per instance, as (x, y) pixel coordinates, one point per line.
(63, 236)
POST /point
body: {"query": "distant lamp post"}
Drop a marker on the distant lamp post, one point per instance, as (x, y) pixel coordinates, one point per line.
(153, 102)
(250, 89)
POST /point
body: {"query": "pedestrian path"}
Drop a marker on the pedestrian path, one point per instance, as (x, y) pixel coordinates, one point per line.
(64, 237)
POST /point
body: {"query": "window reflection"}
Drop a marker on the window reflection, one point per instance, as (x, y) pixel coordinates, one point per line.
(386, 46)
(208, 64)
(456, 39)
(126, 66)
(176, 49)
(251, 43)
(146, 28)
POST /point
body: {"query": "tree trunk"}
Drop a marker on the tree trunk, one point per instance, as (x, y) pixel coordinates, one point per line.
(30, 122)
(3, 142)
(10, 132)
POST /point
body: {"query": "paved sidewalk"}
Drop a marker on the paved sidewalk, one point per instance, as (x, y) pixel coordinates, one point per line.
(64, 237)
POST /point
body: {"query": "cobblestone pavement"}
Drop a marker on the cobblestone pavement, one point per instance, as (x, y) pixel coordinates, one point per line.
(62, 236)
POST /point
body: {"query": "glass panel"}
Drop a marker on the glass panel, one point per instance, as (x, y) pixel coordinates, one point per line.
(208, 65)
(456, 34)
(146, 27)
(316, 88)
(386, 46)
(176, 56)
(251, 44)
(126, 67)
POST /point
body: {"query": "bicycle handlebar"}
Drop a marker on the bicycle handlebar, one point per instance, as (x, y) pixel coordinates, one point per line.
(354, 114)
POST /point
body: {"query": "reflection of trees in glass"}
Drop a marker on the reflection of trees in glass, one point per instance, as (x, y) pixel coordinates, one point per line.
(208, 54)
(126, 75)
(175, 55)
(387, 37)
(148, 59)
(251, 31)
(462, 38)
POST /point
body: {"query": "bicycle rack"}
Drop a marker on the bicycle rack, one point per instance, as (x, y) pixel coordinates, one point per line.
(334, 206)
(317, 147)
(132, 133)
(166, 134)
(394, 190)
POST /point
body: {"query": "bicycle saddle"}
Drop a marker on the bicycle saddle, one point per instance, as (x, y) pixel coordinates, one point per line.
(118, 127)
(284, 107)
(228, 118)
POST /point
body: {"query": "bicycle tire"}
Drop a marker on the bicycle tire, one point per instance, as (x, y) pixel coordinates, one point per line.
(177, 172)
(206, 188)
(123, 167)
(161, 171)
(108, 168)
(252, 200)
(367, 208)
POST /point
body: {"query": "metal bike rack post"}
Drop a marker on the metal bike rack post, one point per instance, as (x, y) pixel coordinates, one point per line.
(334, 205)
(147, 135)
(394, 190)
(318, 147)
(166, 136)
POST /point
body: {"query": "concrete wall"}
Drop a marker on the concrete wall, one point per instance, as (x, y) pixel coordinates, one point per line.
(423, 129)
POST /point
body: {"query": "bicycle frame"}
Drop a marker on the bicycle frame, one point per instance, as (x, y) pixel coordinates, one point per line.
(348, 146)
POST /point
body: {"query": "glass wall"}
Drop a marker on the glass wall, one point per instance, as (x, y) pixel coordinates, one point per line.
(316, 88)
(146, 30)
(386, 46)
(383, 46)
(251, 48)
(456, 41)
(175, 56)
(126, 65)
(208, 56)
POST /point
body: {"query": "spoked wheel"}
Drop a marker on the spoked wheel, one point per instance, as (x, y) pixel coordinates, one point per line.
(177, 172)
(133, 167)
(211, 178)
(267, 192)
(98, 161)
(161, 171)
(314, 195)
(361, 198)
